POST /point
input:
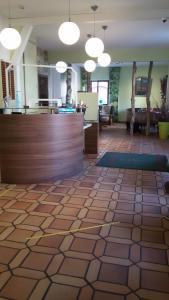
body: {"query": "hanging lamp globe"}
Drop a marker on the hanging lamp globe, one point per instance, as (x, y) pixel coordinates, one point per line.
(69, 33)
(104, 59)
(10, 38)
(61, 67)
(90, 65)
(94, 47)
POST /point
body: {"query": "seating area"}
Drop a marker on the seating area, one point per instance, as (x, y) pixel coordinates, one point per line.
(141, 118)
(105, 114)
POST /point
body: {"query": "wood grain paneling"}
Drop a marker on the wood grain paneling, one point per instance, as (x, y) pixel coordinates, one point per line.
(91, 139)
(39, 148)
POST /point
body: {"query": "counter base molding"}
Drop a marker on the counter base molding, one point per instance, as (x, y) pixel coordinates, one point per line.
(40, 148)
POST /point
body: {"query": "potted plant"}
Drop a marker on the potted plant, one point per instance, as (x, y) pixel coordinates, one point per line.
(163, 123)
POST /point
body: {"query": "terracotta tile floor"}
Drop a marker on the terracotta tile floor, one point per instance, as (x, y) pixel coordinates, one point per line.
(126, 261)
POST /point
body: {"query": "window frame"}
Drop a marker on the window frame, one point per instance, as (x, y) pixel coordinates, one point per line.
(98, 88)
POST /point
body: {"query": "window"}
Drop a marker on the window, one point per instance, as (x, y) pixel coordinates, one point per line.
(102, 88)
(4, 65)
(141, 86)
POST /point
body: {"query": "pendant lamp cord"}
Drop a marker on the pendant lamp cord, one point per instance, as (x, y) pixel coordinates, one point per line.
(69, 11)
(9, 13)
(94, 23)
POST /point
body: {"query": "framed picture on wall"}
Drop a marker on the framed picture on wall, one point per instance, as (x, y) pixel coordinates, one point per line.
(141, 86)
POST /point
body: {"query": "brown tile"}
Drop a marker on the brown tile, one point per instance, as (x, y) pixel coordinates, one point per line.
(64, 292)
(19, 235)
(120, 232)
(107, 296)
(125, 206)
(149, 190)
(61, 189)
(152, 236)
(151, 209)
(61, 224)
(92, 230)
(44, 208)
(3, 202)
(8, 216)
(74, 267)
(68, 182)
(151, 221)
(155, 281)
(109, 179)
(41, 187)
(11, 194)
(99, 203)
(83, 245)
(54, 198)
(37, 261)
(96, 214)
(153, 255)
(33, 220)
(150, 199)
(126, 197)
(117, 250)
(32, 196)
(113, 273)
(6, 254)
(106, 186)
(77, 201)
(18, 288)
(2, 229)
(20, 205)
(123, 218)
(127, 188)
(51, 241)
(84, 192)
(104, 195)
(70, 211)
(87, 184)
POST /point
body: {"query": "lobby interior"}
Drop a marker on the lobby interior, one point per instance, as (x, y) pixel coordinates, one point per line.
(126, 260)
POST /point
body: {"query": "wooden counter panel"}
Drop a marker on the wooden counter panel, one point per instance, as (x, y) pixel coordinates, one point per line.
(39, 148)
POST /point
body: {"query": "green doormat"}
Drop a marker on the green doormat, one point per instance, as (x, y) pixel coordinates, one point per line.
(149, 162)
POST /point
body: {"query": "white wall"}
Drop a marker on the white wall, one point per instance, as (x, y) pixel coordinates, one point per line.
(31, 74)
(54, 84)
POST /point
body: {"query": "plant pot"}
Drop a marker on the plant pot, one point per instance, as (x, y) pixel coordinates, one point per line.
(163, 130)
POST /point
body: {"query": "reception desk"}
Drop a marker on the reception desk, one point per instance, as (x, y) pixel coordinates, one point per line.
(40, 148)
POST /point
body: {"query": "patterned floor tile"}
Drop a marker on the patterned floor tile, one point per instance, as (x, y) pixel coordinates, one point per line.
(125, 261)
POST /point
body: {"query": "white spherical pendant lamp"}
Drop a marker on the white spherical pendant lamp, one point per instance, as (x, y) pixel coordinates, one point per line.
(10, 38)
(104, 59)
(61, 67)
(94, 47)
(69, 33)
(90, 65)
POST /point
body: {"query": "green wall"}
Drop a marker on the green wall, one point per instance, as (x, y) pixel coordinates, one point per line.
(100, 74)
(125, 86)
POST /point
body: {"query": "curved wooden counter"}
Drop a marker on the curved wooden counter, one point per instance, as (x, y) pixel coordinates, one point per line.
(39, 148)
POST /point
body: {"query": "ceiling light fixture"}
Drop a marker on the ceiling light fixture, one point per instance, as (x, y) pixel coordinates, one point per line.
(104, 59)
(94, 46)
(69, 32)
(10, 38)
(90, 65)
(61, 67)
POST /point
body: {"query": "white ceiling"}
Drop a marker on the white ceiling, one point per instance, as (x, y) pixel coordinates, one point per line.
(131, 23)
